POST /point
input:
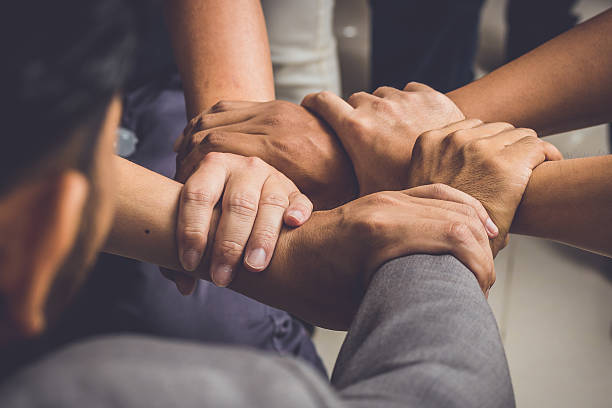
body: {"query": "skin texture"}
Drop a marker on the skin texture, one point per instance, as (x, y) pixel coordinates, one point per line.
(319, 271)
(268, 130)
(563, 85)
(525, 92)
(255, 199)
(379, 130)
(222, 51)
(492, 162)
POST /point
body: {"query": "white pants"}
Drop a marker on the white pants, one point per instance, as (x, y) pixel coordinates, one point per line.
(303, 47)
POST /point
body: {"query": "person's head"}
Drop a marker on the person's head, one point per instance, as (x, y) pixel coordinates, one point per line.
(63, 66)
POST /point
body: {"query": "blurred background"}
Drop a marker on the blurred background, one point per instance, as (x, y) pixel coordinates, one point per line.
(553, 303)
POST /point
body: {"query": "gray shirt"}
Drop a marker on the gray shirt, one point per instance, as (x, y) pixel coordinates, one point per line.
(423, 337)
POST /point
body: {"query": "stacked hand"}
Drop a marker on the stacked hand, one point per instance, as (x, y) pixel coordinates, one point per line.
(284, 135)
(378, 131)
(492, 162)
(321, 270)
(256, 200)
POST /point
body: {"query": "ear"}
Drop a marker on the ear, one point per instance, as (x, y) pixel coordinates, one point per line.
(43, 220)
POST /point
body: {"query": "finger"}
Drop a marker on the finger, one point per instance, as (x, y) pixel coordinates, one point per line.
(222, 142)
(240, 207)
(386, 92)
(224, 106)
(418, 87)
(550, 151)
(299, 210)
(457, 213)
(511, 136)
(361, 98)
(533, 150)
(454, 127)
(331, 108)
(268, 223)
(224, 118)
(485, 131)
(447, 193)
(184, 283)
(442, 236)
(198, 198)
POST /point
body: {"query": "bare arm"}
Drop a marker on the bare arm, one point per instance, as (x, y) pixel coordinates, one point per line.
(222, 51)
(319, 271)
(570, 202)
(562, 85)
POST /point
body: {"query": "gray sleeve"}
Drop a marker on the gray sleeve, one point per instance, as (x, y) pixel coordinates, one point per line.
(424, 337)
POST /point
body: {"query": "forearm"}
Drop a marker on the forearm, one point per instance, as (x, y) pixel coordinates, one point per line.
(222, 51)
(570, 201)
(563, 85)
(424, 336)
(145, 227)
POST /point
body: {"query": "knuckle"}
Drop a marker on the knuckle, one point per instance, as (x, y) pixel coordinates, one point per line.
(215, 157)
(195, 196)
(265, 236)
(275, 200)
(440, 190)
(214, 139)
(458, 232)
(220, 106)
(458, 138)
(255, 162)
(192, 236)
(355, 97)
(470, 212)
(381, 199)
(321, 97)
(506, 125)
(476, 146)
(243, 204)
(228, 249)
(374, 224)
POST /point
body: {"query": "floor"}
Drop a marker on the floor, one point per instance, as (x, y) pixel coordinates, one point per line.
(553, 303)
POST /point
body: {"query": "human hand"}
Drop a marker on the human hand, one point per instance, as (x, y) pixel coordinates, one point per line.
(256, 201)
(378, 131)
(333, 257)
(491, 162)
(284, 135)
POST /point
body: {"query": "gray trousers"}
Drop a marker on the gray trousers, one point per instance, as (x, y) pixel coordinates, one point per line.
(423, 337)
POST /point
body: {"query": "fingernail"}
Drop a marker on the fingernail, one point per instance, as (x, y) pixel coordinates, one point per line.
(256, 259)
(190, 259)
(487, 293)
(297, 215)
(491, 227)
(222, 275)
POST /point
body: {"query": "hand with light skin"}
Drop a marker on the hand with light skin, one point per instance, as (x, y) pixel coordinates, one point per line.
(492, 162)
(378, 130)
(284, 135)
(321, 270)
(256, 201)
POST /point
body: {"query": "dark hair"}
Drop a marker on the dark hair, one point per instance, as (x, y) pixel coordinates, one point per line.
(62, 62)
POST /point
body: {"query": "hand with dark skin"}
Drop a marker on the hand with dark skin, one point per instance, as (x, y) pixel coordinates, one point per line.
(284, 135)
(492, 162)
